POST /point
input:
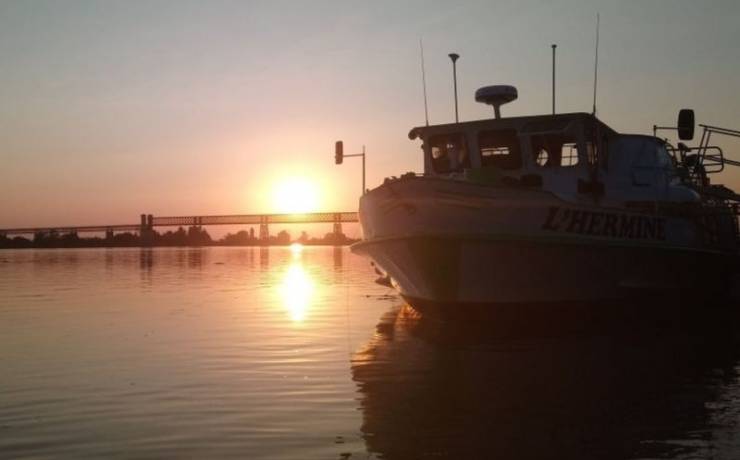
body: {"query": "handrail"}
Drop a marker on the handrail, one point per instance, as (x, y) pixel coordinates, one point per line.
(704, 162)
(704, 145)
(725, 131)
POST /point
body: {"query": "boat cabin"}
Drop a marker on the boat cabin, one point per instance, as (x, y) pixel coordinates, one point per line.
(516, 144)
(571, 154)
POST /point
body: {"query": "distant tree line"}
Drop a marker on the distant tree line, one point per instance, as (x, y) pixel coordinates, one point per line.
(193, 236)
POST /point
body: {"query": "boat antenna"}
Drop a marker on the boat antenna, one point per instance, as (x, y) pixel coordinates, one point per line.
(424, 82)
(596, 63)
(454, 57)
(553, 77)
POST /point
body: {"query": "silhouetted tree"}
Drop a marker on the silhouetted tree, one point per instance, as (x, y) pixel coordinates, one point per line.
(283, 237)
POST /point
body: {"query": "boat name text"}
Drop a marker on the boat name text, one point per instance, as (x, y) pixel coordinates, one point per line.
(609, 224)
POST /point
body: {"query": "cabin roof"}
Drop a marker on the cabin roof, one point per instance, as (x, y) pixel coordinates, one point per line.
(508, 123)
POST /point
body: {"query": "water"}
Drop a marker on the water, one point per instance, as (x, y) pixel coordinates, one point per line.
(274, 353)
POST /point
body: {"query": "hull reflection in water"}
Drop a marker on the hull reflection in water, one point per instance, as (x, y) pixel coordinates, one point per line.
(449, 390)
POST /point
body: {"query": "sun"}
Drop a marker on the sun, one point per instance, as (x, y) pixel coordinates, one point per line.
(295, 196)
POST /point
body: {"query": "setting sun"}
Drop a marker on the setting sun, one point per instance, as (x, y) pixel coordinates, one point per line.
(295, 196)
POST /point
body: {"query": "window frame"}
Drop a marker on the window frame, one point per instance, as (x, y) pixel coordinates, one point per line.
(516, 150)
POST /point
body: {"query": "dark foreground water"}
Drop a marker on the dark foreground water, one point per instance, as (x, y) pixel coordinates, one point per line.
(272, 353)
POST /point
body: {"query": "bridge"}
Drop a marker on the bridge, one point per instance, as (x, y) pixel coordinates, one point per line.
(147, 222)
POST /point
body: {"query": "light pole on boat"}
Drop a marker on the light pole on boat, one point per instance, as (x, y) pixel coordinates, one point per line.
(339, 157)
(455, 57)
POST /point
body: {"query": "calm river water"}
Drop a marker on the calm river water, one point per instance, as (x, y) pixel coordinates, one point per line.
(286, 354)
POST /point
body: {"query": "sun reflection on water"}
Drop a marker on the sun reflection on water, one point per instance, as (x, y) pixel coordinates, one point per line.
(296, 249)
(297, 291)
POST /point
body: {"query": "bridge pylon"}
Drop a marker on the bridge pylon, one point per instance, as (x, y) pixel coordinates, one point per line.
(146, 230)
(264, 229)
(338, 225)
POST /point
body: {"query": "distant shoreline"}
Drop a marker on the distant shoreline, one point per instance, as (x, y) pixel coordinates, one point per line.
(214, 245)
(193, 237)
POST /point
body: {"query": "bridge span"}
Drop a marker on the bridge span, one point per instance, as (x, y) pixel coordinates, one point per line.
(147, 223)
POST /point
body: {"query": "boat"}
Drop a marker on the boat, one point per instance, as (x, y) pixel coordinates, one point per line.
(554, 209)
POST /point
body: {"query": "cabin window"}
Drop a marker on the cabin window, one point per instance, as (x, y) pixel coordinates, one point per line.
(554, 150)
(449, 153)
(542, 158)
(569, 154)
(500, 149)
(594, 153)
(591, 154)
(663, 159)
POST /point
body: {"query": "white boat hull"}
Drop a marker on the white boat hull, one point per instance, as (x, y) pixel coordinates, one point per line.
(449, 244)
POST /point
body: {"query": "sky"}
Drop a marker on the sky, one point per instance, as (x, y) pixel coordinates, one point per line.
(110, 109)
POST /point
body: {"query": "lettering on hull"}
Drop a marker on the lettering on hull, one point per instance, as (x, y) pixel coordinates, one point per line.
(608, 224)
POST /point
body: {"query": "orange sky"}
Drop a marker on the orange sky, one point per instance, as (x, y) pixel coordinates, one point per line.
(115, 109)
